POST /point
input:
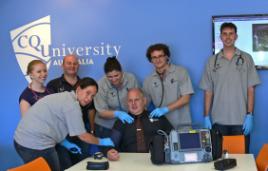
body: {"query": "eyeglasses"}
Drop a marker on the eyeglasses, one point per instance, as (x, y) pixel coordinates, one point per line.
(154, 58)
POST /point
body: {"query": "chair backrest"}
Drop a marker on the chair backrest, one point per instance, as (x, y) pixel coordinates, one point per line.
(38, 164)
(234, 144)
(262, 158)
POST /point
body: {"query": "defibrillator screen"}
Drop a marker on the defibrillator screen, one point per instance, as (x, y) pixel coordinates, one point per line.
(189, 140)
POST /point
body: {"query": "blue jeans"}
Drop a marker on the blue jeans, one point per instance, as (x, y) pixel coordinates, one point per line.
(64, 157)
(67, 159)
(232, 130)
(50, 155)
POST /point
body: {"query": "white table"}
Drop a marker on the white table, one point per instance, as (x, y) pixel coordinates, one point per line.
(142, 162)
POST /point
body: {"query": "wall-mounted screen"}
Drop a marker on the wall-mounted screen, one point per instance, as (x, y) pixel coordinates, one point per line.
(252, 33)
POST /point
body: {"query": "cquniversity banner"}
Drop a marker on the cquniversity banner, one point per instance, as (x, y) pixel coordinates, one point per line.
(33, 41)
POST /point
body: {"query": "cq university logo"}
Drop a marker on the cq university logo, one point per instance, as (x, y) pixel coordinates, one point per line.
(33, 41)
(30, 42)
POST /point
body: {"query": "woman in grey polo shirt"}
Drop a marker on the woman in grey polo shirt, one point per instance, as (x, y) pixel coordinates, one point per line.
(50, 119)
(110, 101)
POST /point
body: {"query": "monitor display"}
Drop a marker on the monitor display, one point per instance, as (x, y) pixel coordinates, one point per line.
(189, 141)
(252, 38)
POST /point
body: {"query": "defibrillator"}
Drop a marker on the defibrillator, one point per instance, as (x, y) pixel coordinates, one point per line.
(181, 146)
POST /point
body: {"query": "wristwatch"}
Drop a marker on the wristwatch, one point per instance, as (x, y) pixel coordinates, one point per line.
(98, 155)
(249, 113)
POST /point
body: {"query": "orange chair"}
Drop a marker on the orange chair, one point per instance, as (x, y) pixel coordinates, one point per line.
(38, 164)
(262, 158)
(234, 144)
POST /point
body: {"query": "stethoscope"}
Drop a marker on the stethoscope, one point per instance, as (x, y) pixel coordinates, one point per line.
(239, 62)
(113, 94)
(155, 84)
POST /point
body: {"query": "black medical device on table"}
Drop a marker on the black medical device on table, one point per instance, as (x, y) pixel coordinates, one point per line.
(98, 162)
(225, 163)
(181, 146)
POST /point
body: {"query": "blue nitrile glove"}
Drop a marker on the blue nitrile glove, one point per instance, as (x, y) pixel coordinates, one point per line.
(207, 123)
(106, 142)
(123, 116)
(248, 124)
(158, 112)
(73, 148)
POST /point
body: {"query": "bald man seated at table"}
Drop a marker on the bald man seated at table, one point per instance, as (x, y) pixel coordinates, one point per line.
(135, 137)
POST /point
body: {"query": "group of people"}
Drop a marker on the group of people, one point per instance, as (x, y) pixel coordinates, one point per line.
(67, 115)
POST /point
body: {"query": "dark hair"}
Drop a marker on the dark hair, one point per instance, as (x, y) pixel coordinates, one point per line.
(158, 46)
(32, 64)
(112, 64)
(85, 82)
(228, 25)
